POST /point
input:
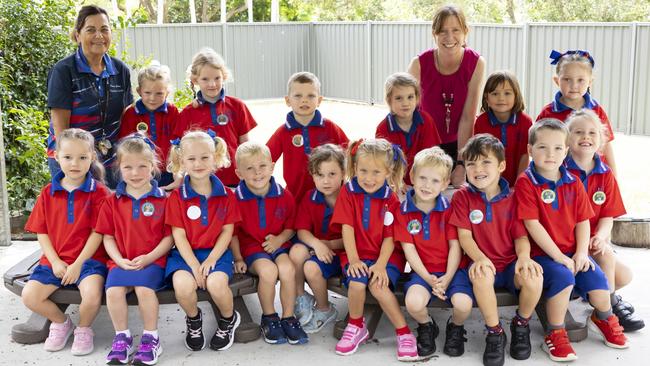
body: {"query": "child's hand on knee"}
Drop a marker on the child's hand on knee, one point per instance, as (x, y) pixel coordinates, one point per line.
(270, 245)
(481, 268)
(582, 263)
(198, 276)
(323, 253)
(357, 269)
(528, 268)
(567, 262)
(207, 266)
(240, 266)
(597, 245)
(378, 275)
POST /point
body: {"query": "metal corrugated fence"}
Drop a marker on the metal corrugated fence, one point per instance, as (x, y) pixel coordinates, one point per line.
(353, 59)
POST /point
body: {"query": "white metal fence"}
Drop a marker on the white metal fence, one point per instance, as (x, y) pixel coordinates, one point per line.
(353, 59)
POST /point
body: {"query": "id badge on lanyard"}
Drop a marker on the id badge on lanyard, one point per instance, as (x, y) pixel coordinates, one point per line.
(104, 145)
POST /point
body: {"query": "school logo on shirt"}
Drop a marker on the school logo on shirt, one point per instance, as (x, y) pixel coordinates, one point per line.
(599, 197)
(414, 227)
(221, 213)
(193, 212)
(280, 213)
(297, 140)
(388, 218)
(148, 209)
(142, 128)
(476, 217)
(548, 196)
(222, 119)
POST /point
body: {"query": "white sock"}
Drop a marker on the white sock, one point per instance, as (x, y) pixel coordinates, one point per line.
(126, 332)
(153, 333)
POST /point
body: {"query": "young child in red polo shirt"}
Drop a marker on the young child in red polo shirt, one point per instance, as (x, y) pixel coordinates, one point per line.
(498, 246)
(153, 116)
(137, 240)
(406, 125)
(556, 212)
(573, 75)
(503, 117)
(432, 250)
(364, 212)
(261, 242)
(63, 219)
(213, 110)
(585, 139)
(202, 214)
(303, 130)
(326, 165)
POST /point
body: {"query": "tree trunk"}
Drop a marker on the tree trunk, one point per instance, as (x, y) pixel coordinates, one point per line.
(205, 18)
(148, 7)
(510, 8)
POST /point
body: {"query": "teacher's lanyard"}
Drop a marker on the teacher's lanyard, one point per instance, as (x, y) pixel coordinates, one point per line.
(103, 145)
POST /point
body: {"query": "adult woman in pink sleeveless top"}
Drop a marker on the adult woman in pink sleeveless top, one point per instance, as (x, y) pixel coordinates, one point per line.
(450, 79)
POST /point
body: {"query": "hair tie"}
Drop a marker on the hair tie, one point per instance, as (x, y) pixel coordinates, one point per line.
(556, 56)
(397, 153)
(355, 147)
(143, 138)
(175, 142)
(211, 133)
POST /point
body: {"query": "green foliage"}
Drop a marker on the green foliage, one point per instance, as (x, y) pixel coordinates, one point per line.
(183, 96)
(34, 37)
(587, 10)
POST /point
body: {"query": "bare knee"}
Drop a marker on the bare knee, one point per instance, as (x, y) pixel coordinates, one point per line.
(483, 282)
(415, 302)
(268, 273)
(286, 271)
(312, 270)
(31, 296)
(298, 254)
(217, 284)
(184, 286)
(355, 287)
(461, 302)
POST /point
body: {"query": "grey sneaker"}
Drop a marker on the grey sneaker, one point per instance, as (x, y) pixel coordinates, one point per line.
(303, 309)
(320, 319)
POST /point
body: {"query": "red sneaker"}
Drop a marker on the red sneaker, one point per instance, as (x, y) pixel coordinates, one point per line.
(557, 345)
(610, 330)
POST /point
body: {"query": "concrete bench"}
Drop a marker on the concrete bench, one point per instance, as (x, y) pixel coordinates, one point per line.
(577, 331)
(36, 328)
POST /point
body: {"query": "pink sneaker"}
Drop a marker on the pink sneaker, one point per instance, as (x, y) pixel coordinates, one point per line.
(352, 337)
(83, 341)
(59, 334)
(407, 349)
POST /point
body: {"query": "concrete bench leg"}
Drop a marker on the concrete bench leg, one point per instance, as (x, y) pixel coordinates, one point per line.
(577, 331)
(34, 330)
(372, 321)
(247, 331)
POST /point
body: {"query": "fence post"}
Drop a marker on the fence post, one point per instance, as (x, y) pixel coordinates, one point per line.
(630, 104)
(5, 226)
(369, 65)
(525, 49)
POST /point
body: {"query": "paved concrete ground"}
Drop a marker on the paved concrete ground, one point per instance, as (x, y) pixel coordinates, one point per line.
(381, 350)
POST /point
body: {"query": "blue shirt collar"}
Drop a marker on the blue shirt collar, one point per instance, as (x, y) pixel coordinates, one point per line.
(141, 109)
(155, 191)
(245, 194)
(494, 121)
(201, 100)
(503, 185)
(89, 184)
(558, 106)
(599, 166)
(382, 193)
(316, 121)
(82, 64)
(187, 192)
(538, 180)
(442, 203)
(318, 197)
(394, 127)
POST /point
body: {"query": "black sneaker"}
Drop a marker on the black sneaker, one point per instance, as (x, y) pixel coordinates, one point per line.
(194, 340)
(427, 334)
(495, 349)
(272, 330)
(293, 331)
(225, 334)
(455, 339)
(624, 311)
(520, 342)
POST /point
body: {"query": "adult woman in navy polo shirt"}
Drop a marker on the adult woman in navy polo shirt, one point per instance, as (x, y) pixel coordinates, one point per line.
(89, 89)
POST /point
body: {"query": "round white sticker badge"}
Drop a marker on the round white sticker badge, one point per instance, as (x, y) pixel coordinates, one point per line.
(414, 227)
(142, 128)
(193, 212)
(388, 218)
(148, 209)
(297, 140)
(548, 196)
(476, 217)
(599, 197)
(222, 119)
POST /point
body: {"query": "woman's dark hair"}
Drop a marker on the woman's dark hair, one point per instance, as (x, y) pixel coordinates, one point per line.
(85, 12)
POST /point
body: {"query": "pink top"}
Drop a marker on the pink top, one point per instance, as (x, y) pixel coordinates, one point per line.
(433, 84)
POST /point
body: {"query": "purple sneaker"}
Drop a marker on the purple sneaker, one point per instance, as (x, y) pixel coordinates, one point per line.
(148, 351)
(120, 351)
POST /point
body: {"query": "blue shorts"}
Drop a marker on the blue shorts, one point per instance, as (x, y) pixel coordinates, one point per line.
(176, 263)
(506, 279)
(391, 269)
(557, 277)
(328, 270)
(44, 274)
(152, 276)
(459, 284)
(272, 257)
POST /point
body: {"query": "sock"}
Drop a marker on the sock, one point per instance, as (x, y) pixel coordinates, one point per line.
(126, 332)
(520, 320)
(430, 320)
(603, 315)
(403, 330)
(273, 315)
(289, 319)
(228, 319)
(555, 326)
(153, 333)
(612, 298)
(358, 322)
(497, 329)
(195, 317)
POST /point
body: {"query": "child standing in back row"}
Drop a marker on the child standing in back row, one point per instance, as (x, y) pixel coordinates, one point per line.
(213, 110)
